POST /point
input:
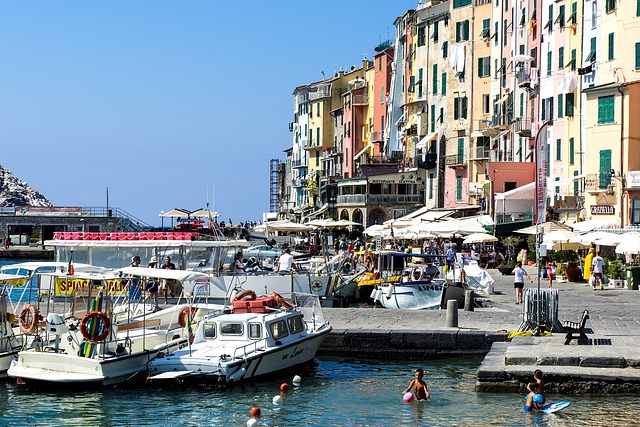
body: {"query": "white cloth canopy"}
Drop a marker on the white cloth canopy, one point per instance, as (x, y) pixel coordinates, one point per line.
(545, 227)
(630, 244)
(479, 238)
(176, 213)
(559, 236)
(595, 224)
(203, 213)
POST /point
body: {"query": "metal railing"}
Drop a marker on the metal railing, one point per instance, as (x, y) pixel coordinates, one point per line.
(377, 136)
(360, 100)
(242, 352)
(479, 153)
(454, 160)
(522, 126)
(400, 198)
(351, 199)
(319, 94)
(299, 163)
(597, 181)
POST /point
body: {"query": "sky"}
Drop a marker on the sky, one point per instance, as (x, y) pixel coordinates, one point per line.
(167, 104)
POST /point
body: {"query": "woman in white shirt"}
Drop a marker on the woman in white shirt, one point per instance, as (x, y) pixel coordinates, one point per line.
(518, 282)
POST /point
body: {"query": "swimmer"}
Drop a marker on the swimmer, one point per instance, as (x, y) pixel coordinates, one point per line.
(534, 400)
(419, 386)
(537, 375)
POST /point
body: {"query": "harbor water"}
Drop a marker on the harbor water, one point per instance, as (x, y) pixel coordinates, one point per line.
(335, 393)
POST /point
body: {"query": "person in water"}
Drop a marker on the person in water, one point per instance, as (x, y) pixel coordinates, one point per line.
(537, 375)
(534, 400)
(419, 386)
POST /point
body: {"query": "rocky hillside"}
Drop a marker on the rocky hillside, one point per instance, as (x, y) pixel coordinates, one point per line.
(14, 192)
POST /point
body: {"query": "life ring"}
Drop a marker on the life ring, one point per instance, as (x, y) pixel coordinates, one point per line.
(182, 319)
(283, 302)
(249, 294)
(103, 325)
(29, 326)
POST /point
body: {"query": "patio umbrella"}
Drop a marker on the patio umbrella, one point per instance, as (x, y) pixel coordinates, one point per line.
(376, 229)
(175, 213)
(479, 238)
(610, 240)
(630, 244)
(203, 213)
(559, 236)
(346, 223)
(456, 227)
(595, 223)
(590, 237)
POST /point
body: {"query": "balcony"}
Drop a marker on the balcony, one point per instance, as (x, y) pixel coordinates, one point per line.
(522, 126)
(501, 156)
(599, 183)
(324, 93)
(479, 153)
(360, 100)
(298, 183)
(377, 136)
(299, 163)
(430, 161)
(455, 160)
(352, 199)
(393, 198)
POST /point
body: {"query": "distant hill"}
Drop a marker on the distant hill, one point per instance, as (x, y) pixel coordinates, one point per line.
(14, 192)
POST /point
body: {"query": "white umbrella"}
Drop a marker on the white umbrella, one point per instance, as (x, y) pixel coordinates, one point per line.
(559, 236)
(374, 230)
(595, 223)
(588, 238)
(610, 240)
(456, 226)
(630, 244)
(346, 223)
(176, 213)
(203, 213)
(479, 238)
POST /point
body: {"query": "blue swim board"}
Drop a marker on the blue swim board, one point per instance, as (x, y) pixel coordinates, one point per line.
(554, 407)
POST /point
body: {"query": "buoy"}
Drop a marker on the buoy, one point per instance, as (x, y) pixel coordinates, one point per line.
(252, 422)
(284, 387)
(296, 380)
(408, 397)
(255, 412)
(277, 400)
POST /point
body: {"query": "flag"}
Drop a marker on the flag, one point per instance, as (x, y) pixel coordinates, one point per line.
(70, 268)
(188, 331)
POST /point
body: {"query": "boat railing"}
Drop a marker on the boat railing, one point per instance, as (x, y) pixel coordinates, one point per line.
(242, 352)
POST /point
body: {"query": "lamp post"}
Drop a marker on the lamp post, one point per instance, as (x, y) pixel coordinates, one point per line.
(623, 183)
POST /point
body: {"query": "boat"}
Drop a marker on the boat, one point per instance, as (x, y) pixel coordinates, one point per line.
(257, 336)
(10, 342)
(213, 257)
(406, 285)
(98, 349)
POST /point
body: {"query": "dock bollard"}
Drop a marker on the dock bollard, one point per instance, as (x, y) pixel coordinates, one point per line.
(468, 300)
(452, 313)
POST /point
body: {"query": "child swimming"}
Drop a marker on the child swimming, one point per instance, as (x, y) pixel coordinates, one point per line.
(534, 400)
(419, 386)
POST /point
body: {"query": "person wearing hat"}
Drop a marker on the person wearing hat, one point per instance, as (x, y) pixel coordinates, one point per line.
(152, 284)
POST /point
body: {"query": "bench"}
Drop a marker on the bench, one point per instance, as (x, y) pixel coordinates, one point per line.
(575, 330)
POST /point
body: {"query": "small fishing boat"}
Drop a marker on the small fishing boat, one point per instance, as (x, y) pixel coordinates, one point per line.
(10, 343)
(257, 336)
(100, 349)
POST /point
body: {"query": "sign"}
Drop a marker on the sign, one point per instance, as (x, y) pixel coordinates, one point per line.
(541, 174)
(378, 242)
(201, 287)
(316, 285)
(603, 210)
(66, 285)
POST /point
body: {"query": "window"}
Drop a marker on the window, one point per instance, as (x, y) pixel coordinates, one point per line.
(534, 55)
(592, 54)
(635, 203)
(462, 31)
(421, 37)
(433, 118)
(561, 57)
(420, 83)
(279, 329)
(549, 55)
(255, 331)
(638, 8)
(430, 185)
(504, 72)
(594, 14)
(610, 46)
(434, 35)
(484, 66)
(485, 103)
(486, 29)
(460, 153)
(380, 60)
(318, 108)
(521, 104)
(572, 63)
(605, 109)
(576, 185)
(572, 149)
(574, 13)
(560, 105)
(435, 79)
(209, 330)
(638, 54)
(505, 35)
(549, 23)
(610, 5)
(560, 18)
(295, 324)
(458, 188)
(460, 3)
(444, 84)
(445, 48)
(318, 136)
(460, 108)
(231, 328)
(523, 18)
(604, 178)
(558, 149)
(382, 95)
(317, 158)
(495, 33)
(510, 185)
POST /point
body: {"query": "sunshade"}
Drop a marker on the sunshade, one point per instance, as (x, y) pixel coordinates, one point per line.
(630, 244)
(176, 213)
(479, 238)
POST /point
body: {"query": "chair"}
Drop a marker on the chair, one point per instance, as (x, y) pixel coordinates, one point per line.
(114, 236)
(576, 328)
(104, 236)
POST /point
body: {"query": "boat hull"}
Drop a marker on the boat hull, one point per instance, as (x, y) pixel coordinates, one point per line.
(409, 296)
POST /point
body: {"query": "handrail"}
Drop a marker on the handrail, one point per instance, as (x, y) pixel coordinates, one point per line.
(246, 346)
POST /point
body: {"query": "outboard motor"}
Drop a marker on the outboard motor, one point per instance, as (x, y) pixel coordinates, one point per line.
(57, 327)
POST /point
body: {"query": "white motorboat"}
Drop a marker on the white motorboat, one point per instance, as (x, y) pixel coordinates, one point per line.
(10, 344)
(258, 337)
(97, 350)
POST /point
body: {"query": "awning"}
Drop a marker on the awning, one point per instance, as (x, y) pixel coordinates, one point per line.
(477, 134)
(361, 152)
(423, 142)
(521, 58)
(566, 181)
(523, 192)
(319, 211)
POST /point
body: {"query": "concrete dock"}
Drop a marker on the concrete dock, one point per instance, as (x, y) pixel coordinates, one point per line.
(610, 363)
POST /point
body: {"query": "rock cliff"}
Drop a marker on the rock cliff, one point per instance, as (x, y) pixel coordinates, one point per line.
(14, 192)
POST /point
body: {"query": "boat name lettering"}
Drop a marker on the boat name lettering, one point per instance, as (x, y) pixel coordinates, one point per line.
(429, 287)
(67, 285)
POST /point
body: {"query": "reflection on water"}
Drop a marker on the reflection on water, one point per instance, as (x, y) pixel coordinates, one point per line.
(336, 393)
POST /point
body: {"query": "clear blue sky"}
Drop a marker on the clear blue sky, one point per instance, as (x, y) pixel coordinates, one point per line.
(157, 99)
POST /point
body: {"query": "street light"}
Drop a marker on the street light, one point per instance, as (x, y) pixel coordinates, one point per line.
(620, 177)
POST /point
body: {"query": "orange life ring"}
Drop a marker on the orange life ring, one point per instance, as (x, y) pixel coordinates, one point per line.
(283, 302)
(249, 294)
(182, 319)
(29, 326)
(103, 325)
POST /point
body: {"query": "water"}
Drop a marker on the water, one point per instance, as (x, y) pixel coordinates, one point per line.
(335, 393)
(20, 293)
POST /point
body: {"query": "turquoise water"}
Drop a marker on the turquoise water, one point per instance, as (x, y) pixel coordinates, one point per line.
(335, 393)
(18, 293)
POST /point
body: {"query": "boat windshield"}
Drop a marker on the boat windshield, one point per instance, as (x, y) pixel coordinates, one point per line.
(209, 330)
(279, 330)
(231, 328)
(255, 331)
(295, 324)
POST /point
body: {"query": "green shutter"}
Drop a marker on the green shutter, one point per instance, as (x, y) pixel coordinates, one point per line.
(318, 135)
(444, 83)
(610, 46)
(573, 59)
(460, 151)
(480, 67)
(560, 106)
(433, 118)
(561, 15)
(638, 52)
(420, 83)
(435, 79)
(558, 149)
(521, 104)
(572, 149)
(561, 57)
(638, 9)
(445, 48)
(486, 24)
(458, 25)
(458, 188)
(605, 169)
(456, 108)
(549, 57)
(463, 113)
(317, 158)
(576, 184)
(466, 29)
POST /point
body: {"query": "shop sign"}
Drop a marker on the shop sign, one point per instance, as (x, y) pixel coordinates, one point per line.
(603, 210)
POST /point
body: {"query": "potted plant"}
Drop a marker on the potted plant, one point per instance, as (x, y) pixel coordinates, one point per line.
(33, 242)
(506, 267)
(615, 273)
